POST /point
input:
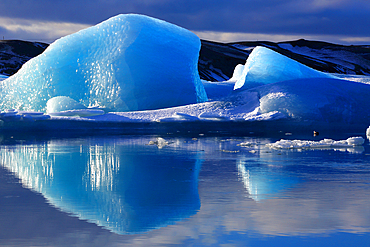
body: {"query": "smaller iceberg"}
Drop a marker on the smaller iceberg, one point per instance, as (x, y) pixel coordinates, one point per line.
(266, 66)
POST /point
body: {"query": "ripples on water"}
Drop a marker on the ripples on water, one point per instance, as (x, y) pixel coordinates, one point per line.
(200, 191)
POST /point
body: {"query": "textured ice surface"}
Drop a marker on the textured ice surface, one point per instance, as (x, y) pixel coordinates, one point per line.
(266, 66)
(129, 62)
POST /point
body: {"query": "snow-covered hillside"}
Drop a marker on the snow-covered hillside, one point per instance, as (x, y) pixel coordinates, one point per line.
(14, 53)
(322, 56)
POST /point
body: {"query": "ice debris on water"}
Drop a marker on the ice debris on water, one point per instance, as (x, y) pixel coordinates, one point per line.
(368, 133)
(325, 143)
(160, 142)
(246, 144)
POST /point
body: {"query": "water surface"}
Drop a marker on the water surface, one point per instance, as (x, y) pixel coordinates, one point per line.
(127, 190)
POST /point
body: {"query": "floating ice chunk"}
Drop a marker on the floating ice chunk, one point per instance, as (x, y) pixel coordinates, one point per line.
(129, 62)
(62, 103)
(368, 132)
(160, 142)
(246, 144)
(355, 141)
(325, 143)
(266, 66)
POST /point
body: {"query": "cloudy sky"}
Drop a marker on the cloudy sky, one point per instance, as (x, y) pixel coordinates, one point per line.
(337, 21)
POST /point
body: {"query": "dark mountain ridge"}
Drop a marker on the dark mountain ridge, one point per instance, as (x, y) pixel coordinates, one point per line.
(218, 60)
(14, 53)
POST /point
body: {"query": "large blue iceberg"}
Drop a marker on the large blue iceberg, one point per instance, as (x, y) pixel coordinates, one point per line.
(127, 63)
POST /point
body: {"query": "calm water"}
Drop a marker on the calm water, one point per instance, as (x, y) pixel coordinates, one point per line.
(193, 192)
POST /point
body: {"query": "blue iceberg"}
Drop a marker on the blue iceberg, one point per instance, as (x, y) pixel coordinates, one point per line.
(266, 66)
(127, 63)
(134, 74)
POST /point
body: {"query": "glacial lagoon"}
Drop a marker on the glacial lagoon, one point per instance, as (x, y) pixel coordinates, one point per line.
(187, 191)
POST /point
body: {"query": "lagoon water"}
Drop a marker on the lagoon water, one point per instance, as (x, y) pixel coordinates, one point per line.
(189, 191)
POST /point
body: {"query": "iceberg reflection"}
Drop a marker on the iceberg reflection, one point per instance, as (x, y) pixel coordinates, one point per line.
(264, 182)
(124, 186)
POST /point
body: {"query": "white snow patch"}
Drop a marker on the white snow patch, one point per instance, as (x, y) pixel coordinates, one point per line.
(325, 143)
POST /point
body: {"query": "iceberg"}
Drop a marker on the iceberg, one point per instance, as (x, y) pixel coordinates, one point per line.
(127, 63)
(265, 66)
(134, 74)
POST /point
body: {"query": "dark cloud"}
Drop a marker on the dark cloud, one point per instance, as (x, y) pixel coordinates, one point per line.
(294, 17)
